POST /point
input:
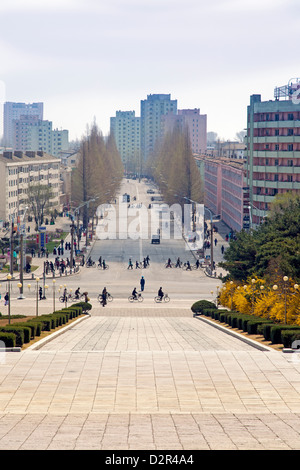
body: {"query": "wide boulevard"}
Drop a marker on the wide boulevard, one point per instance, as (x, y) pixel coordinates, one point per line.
(145, 375)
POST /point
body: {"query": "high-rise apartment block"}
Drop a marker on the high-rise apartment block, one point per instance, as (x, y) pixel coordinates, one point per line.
(33, 134)
(126, 129)
(13, 111)
(272, 149)
(194, 122)
(152, 111)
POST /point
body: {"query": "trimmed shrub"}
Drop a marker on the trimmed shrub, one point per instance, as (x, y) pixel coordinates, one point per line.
(266, 330)
(276, 332)
(199, 306)
(252, 325)
(216, 313)
(208, 311)
(86, 306)
(289, 337)
(35, 328)
(9, 339)
(45, 322)
(22, 333)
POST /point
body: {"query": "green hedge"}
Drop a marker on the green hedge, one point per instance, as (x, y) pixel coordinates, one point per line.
(276, 332)
(9, 339)
(252, 325)
(35, 327)
(289, 336)
(86, 306)
(23, 333)
(201, 305)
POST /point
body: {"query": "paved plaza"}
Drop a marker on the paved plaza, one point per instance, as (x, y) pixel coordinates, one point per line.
(158, 379)
(144, 376)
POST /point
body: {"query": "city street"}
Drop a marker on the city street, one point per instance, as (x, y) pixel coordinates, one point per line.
(145, 376)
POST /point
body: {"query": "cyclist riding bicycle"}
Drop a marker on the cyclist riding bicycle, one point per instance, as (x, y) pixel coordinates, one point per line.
(134, 293)
(104, 297)
(77, 293)
(188, 266)
(160, 293)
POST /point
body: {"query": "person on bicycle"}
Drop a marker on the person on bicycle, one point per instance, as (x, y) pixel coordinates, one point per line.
(104, 297)
(134, 293)
(160, 293)
(100, 261)
(188, 266)
(103, 264)
(89, 261)
(77, 293)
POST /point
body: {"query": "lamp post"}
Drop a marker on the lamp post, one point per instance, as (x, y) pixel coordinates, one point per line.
(9, 276)
(22, 230)
(252, 296)
(37, 296)
(284, 293)
(53, 289)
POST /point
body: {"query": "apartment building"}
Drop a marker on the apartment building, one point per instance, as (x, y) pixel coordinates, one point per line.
(13, 111)
(33, 134)
(152, 110)
(223, 180)
(17, 171)
(126, 129)
(193, 121)
(272, 156)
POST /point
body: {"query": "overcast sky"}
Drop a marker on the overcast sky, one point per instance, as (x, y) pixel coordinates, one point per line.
(87, 59)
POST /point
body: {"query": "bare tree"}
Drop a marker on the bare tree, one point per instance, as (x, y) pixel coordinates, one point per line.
(39, 198)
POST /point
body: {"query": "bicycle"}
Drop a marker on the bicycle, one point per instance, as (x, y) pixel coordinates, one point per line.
(165, 298)
(169, 265)
(90, 264)
(109, 297)
(138, 298)
(63, 299)
(185, 267)
(100, 266)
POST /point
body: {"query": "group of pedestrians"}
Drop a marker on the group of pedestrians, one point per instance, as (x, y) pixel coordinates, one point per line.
(138, 264)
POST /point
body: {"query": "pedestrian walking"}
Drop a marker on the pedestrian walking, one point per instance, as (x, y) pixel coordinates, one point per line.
(142, 283)
(6, 298)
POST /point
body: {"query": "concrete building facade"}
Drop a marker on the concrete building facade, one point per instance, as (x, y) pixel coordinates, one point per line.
(272, 156)
(152, 110)
(126, 129)
(13, 111)
(194, 122)
(17, 171)
(33, 134)
(223, 181)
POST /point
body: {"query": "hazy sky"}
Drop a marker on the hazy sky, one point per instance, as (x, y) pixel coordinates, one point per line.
(87, 59)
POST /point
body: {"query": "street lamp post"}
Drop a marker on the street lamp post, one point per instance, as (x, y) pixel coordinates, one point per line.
(284, 292)
(37, 296)
(9, 276)
(53, 284)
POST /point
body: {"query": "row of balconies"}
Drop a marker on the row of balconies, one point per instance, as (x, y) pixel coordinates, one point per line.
(276, 169)
(276, 184)
(276, 124)
(277, 139)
